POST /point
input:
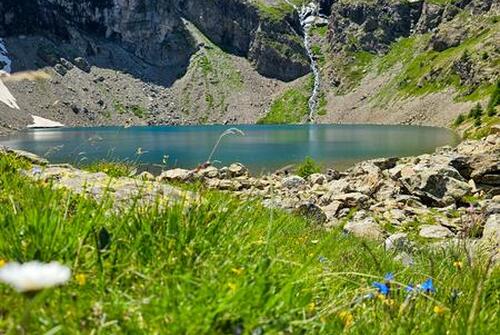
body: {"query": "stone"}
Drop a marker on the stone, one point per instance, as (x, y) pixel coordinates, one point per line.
(145, 175)
(60, 69)
(332, 209)
(405, 258)
(35, 159)
(434, 231)
(237, 170)
(82, 64)
(209, 172)
(398, 242)
(67, 64)
(365, 228)
(176, 175)
(317, 179)
(293, 182)
(435, 185)
(332, 174)
(352, 200)
(385, 163)
(491, 232)
(312, 212)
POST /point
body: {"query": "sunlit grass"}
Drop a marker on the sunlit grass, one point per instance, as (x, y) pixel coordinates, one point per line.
(221, 267)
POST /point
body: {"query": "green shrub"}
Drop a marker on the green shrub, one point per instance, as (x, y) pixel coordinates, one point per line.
(308, 167)
(476, 112)
(477, 122)
(494, 100)
(459, 120)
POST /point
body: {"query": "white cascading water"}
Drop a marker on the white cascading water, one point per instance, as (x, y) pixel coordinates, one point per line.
(305, 12)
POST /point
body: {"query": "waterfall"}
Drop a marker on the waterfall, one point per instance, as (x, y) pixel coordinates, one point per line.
(306, 12)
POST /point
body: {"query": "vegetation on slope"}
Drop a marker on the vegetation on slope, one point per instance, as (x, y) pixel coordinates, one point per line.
(222, 267)
(291, 107)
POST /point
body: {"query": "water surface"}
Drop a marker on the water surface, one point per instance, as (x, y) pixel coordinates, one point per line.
(263, 148)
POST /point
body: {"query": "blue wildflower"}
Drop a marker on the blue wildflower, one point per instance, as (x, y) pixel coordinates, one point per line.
(427, 286)
(389, 276)
(409, 288)
(322, 259)
(36, 170)
(382, 288)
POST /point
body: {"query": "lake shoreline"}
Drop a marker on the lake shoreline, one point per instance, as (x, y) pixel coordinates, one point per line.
(405, 199)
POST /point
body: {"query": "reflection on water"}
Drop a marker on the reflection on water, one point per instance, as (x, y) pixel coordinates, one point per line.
(263, 148)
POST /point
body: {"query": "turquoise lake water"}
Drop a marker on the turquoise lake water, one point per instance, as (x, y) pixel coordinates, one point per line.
(263, 148)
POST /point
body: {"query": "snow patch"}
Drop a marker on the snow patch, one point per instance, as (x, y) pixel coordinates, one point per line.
(5, 68)
(40, 122)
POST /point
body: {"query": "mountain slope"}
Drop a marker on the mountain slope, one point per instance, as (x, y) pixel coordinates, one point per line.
(241, 61)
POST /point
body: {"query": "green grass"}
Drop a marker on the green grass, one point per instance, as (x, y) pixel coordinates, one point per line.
(217, 268)
(291, 107)
(112, 168)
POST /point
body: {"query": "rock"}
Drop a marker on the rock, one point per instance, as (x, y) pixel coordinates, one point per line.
(224, 173)
(405, 259)
(332, 174)
(435, 185)
(332, 209)
(491, 232)
(385, 163)
(317, 179)
(365, 228)
(67, 64)
(495, 129)
(293, 182)
(447, 38)
(145, 175)
(398, 242)
(312, 212)
(82, 64)
(60, 69)
(237, 170)
(434, 231)
(209, 172)
(35, 159)
(176, 175)
(352, 200)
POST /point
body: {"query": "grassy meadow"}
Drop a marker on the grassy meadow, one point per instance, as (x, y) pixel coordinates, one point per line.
(222, 266)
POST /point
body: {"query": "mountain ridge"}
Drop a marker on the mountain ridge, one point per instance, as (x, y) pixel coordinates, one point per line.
(146, 65)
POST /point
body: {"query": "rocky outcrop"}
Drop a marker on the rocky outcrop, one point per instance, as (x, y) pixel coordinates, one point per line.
(371, 26)
(154, 30)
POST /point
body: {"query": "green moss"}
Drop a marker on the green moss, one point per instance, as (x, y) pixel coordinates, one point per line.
(273, 12)
(138, 111)
(291, 107)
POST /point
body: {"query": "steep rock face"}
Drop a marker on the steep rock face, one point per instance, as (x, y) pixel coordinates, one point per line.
(154, 31)
(371, 26)
(148, 28)
(278, 52)
(237, 26)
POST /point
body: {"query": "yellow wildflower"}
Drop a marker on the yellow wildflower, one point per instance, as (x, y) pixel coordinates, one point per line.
(346, 318)
(237, 271)
(389, 302)
(81, 279)
(439, 310)
(232, 287)
(311, 307)
(458, 265)
(2, 262)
